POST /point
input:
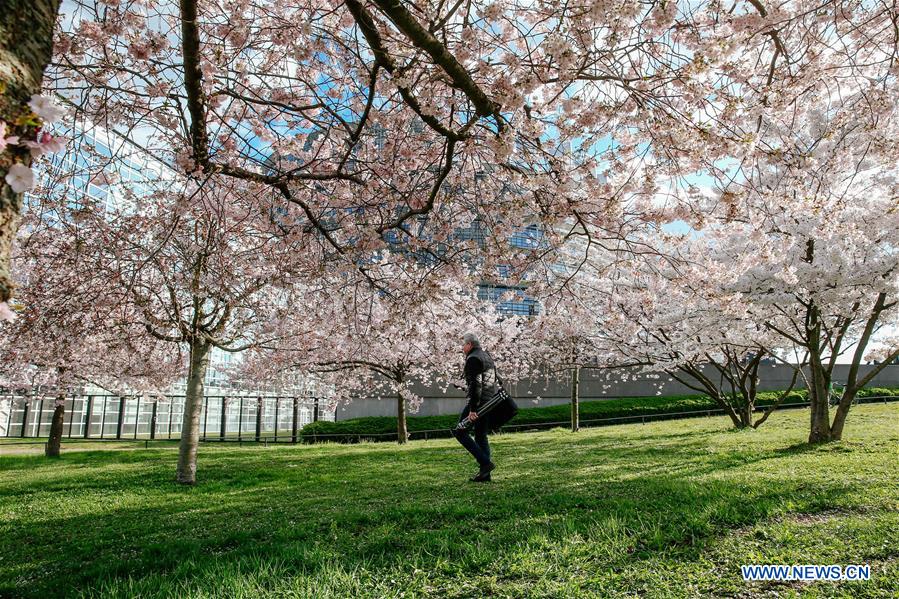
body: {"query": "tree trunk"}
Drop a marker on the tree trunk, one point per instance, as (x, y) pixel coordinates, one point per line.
(746, 413)
(193, 408)
(575, 399)
(402, 432)
(819, 383)
(26, 44)
(839, 419)
(853, 384)
(55, 440)
(751, 391)
(735, 415)
(819, 397)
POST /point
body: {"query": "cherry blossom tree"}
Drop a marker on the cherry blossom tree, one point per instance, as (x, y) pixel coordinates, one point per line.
(220, 273)
(180, 263)
(803, 236)
(800, 122)
(378, 344)
(806, 220)
(597, 288)
(801, 269)
(656, 306)
(70, 330)
(57, 353)
(824, 280)
(393, 108)
(565, 339)
(790, 178)
(700, 336)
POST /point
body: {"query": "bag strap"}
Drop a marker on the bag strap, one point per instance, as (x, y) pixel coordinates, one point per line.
(495, 371)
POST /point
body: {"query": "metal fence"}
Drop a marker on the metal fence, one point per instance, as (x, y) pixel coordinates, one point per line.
(116, 417)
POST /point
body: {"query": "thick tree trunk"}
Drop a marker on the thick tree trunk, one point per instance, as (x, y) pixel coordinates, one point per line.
(402, 431)
(839, 419)
(26, 44)
(751, 390)
(819, 382)
(746, 413)
(575, 399)
(55, 440)
(819, 397)
(740, 412)
(193, 408)
(854, 385)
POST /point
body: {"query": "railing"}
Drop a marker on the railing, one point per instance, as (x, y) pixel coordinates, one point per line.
(111, 417)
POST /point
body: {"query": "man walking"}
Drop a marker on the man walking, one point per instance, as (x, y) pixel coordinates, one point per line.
(480, 383)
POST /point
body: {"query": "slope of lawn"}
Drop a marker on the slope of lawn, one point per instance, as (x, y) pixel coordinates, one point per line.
(666, 509)
(383, 427)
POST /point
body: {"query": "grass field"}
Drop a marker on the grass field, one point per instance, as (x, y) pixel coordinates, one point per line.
(668, 509)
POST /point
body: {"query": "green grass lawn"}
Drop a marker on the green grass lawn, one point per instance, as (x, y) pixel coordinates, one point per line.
(668, 509)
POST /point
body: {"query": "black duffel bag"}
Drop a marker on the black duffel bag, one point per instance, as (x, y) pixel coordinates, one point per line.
(502, 411)
(499, 409)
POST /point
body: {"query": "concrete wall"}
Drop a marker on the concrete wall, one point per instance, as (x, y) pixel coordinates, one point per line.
(595, 385)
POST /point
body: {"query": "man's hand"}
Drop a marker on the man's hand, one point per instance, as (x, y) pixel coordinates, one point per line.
(472, 416)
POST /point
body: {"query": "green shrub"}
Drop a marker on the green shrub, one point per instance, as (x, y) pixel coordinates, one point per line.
(878, 392)
(766, 398)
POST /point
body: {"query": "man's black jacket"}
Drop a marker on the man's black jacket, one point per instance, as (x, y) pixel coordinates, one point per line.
(480, 378)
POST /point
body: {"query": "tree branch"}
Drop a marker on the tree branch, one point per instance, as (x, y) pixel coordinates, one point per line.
(425, 40)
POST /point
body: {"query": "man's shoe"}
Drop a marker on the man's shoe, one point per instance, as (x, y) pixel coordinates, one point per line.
(484, 474)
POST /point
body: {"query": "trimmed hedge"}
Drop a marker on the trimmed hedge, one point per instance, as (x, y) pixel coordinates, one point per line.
(878, 392)
(382, 427)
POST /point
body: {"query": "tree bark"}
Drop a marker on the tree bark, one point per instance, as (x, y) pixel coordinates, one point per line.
(819, 397)
(839, 418)
(747, 379)
(26, 44)
(402, 432)
(746, 414)
(193, 408)
(193, 81)
(575, 399)
(819, 384)
(55, 440)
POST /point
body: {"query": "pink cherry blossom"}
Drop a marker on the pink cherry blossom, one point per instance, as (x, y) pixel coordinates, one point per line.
(45, 144)
(20, 177)
(45, 108)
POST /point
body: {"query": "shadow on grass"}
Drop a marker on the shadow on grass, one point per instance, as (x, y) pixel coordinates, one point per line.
(375, 506)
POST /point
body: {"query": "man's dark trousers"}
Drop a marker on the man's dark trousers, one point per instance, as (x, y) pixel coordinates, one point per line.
(478, 447)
